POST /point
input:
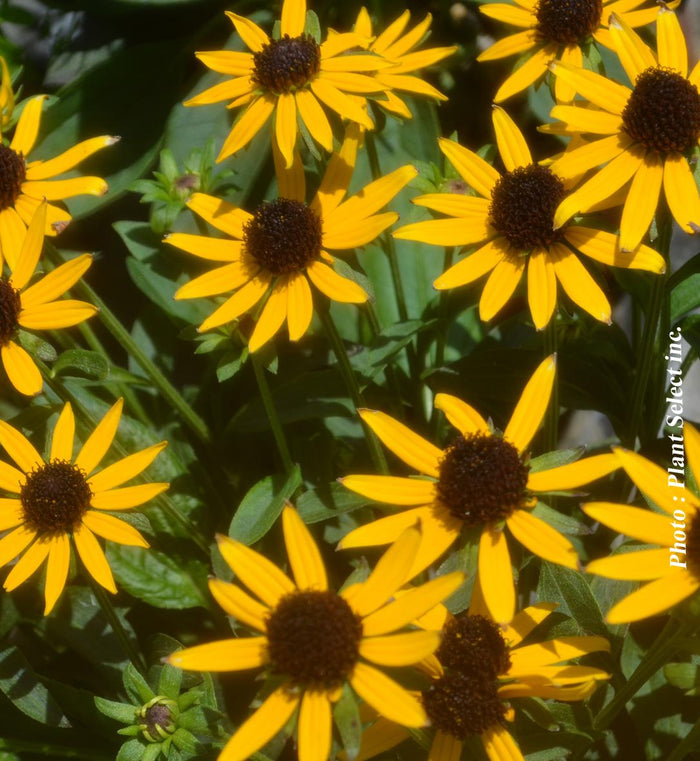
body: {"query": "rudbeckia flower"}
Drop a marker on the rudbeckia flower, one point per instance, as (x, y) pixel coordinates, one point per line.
(315, 640)
(37, 307)
(398, 48)
(478, 668)
(63, 500)
(482, 479)
(291, 77)
(673, 569)
(514, 223)
(282, 248)
(644, 134)
(556, 30)
(24, 184)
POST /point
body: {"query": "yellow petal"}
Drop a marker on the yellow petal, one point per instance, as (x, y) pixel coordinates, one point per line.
(250, 122)
(291, 178)
(33, 557)
(439, 530)
(509, 14)
(634, 55)
(335, 286)
(574, 474)
(589, 120)
(300, 306)
(63, 434)
(13, 543)
(304, 556)
(314, 118)
(286, 126)
(251, 33)
(11, 479)
(579, 285)
(387, 697)
(12, 232)
(448, 232)
(499, 744)
(31, 249)
(315, 724)
(109, 527)
(655, 597)
(272, 316)
(384, 530)
(362, 232)
(692, 448)
(527, 74)
(635, 566)
(392, 32)
(681, 192)
(21, 369)
(633, 521)
(641, 203)
(511, 143)
(413, 449)
(381, 736)
(532, 405)
(572, 55)
(445, 747)
(100, 440)
(579, 160)
(27, 127)
(511, 45)
(56, 314)
(670, 42)
(213, 249)
(605, 93)
(393, 490)
(341, 103)
(220, 214)
(500, 286)
(242, 300)
(238, 604)
(18, 447)
(472, 168)
(125, 469)
(229, 90)
(57, 282)
(541, 539)
(605, 247)
(262, 726)
(399, 649)
(260, 575)
(293, 19)
(463, 417)
(224, 655)
(541, 287)
(128, 497)
(57, 190)
(525, 620)
(232, 62)
(93, 557)
(338, 174)
(496, 575)
(11, 512)
(220, 280)
(473, 266)
(454, 204)
(56, 570)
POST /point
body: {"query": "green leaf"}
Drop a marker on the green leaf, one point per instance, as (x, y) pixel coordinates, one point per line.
(347, 718)
(386, 346)
(261, 507)
(132, 750)
(122, 712)
(161, 580)
(137, 688)
(685, 676)
(327, 502)
(562, 523)
(87, 363)
(685, 297)
(570, 589)
(22, 686)
(151, 752)
(169, 681)
(555, 459)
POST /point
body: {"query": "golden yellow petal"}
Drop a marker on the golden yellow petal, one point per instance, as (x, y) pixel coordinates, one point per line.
(532, 405)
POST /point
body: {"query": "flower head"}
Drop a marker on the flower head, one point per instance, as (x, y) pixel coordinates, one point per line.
(65, 498)
(24, 184)
(513, 222)
(398, 46)
(37, 307)
(556, 30)
(673, 569)
(283, 246)
(643, 134)
(315, 640)
(293, 76)
(483, 480)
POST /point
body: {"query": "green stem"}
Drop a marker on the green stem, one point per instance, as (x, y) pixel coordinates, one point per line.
(123, 337)
(646, 356)
(352, 385)
(551, 423)
(689, 743)
(272, 416)
(442, 327)
(111, 615)
(49, 750)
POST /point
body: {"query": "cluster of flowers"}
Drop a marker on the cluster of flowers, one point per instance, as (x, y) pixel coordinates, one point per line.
(311, 640)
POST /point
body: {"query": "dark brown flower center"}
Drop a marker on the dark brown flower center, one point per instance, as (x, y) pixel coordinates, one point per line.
(475, 645)
(663, 112)
(482, 479)
(10, 307)
(567, 21)
(55, 497)
(283, 236)
(287, 64)
(13, 172)
(463, 704)
(314, 638)
(522, 207)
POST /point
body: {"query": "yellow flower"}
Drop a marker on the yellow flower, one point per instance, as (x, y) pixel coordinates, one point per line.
(317, 640)
(481, 480)
(515, 218)
(672, 570)
(643, 134)
(38, 307)
(398, 48)
(7, 96)
(478, 668)
(556, 30)
(291, 77)
(282, 247)
(63, 498)
(25, 184)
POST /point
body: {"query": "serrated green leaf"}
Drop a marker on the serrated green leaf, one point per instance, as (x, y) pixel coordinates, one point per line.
(136, 686)
(123, 712)
(555, 459)
(321, 504)
(132, 750)
(562, 523)
(571, 590)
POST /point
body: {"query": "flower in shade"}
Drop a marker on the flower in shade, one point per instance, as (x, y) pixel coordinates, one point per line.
(37, 307)
(7, 96)
(62, 499)
(316, 640)
(398, 48)
(644, 134)
(513, 222)
(673, 568)
(556, 30)
(482, 479)
(24, 184)
(282, 248)
(478, 668)
(292, 76)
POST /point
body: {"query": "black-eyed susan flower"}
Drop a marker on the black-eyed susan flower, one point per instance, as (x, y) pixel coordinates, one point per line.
(292, 77)
(513, 222)
(673, 569)
(556, 30)
(398, 46)
(282, 248)
(479, 668)
(644, 134)
(65, 499)
(315, 640)
(24, 184)
(482, 479)
(37, 306)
